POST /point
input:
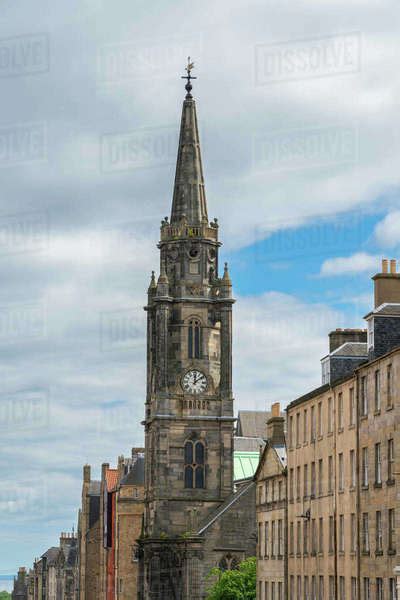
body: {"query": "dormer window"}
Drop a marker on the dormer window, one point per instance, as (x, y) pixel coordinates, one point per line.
(370, 333)
(326, 370)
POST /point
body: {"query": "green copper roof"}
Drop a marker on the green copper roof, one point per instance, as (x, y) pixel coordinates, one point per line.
(245, 464)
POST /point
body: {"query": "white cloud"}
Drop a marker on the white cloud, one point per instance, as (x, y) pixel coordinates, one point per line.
(387, 231)
(349, 265)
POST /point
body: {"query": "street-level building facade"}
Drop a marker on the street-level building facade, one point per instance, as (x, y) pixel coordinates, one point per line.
(343, 463)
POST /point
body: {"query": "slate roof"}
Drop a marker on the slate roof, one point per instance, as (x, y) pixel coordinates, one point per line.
(136, 474)
(94, 488)
(282, 454)
(229, 502)
(245, 464)
(351, 349)
(386, 309)
(247, 444)
(51, 555)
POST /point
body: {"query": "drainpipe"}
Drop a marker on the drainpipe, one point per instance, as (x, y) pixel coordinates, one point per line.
(358, 497)
(335, 546)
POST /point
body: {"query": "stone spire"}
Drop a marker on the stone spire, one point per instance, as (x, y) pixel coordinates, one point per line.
(189, 200)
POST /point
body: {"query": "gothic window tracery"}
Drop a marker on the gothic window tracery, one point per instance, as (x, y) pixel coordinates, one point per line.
(229, 563)
(194, 464)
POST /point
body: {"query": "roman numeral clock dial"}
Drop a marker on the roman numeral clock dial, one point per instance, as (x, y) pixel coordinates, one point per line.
(194, 382)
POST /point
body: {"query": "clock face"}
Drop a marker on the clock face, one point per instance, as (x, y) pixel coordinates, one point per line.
(194, 382)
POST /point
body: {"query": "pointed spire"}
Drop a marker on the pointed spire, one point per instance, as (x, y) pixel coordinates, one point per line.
(226, 283)
(189, 199)
(153, 285)
(163, 283)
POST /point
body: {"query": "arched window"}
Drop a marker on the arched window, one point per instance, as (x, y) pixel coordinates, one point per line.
(194, 338)
(229, 563)
(194, 464)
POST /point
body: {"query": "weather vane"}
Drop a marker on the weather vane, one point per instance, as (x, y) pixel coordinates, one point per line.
(188, 77)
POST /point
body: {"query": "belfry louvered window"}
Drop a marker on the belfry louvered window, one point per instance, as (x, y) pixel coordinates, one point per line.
(194, 464)
(194, 339)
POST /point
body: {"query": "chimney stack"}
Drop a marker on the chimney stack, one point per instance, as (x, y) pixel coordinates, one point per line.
(387, 284)
(338, 337)
(86, 473)
(276, 426)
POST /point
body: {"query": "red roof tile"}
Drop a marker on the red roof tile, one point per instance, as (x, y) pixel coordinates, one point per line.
(111, 479)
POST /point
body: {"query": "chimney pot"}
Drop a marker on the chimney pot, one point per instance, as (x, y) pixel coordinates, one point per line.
(384, 265)
(393, 265)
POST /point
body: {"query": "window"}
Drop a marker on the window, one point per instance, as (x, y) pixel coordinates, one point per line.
(313, 588)
(379, 588)
(353, 532)
(298, 429)
(389, 386)
(306, 589)
(194, 342)
(330, 474)
(378, 532)
(365, 533)
(342, 589)
(390, 461)
(279, 490)
(378, 465)
(266, 539)
(321, 536)
(320, 477)
(305, 440)
(290, 432)
(367, 589)
(280, 590)
(341, 533)
(273, 490)
(266, 490)
(299, 587)
(266, 590)
(392, 589)
(260, 590)
(331, 534)
(291, 477)
(313, 537)
(260, 545)
(313, 423)
(260, 491)
(320, 420)
(354, 588)
(292, 586)
(352, 408)
(280, 538)
(298, 540)
(273, 590)
(194, 464)
(364, 397)
(370, 333)
(331, 587)
(330, 415)
(321, 588)
(273, 541)
(341, 473)
(392, 531)
(313, 483)
(291, 538)
(352, 469)
(298, 483)
(305, 537)
(340, 411)
(326, 367)
(305, 488)
(377, 394)
(365, 467)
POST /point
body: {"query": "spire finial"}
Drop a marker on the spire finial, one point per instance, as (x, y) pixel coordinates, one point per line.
(189, 77)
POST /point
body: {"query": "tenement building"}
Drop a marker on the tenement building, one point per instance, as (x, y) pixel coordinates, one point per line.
(193, 519)
(343, 518)
(271, 507)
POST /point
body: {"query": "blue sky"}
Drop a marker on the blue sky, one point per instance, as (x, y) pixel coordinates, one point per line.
(301, 160)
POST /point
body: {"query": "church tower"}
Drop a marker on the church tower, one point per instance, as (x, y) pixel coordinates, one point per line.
(189, 403)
